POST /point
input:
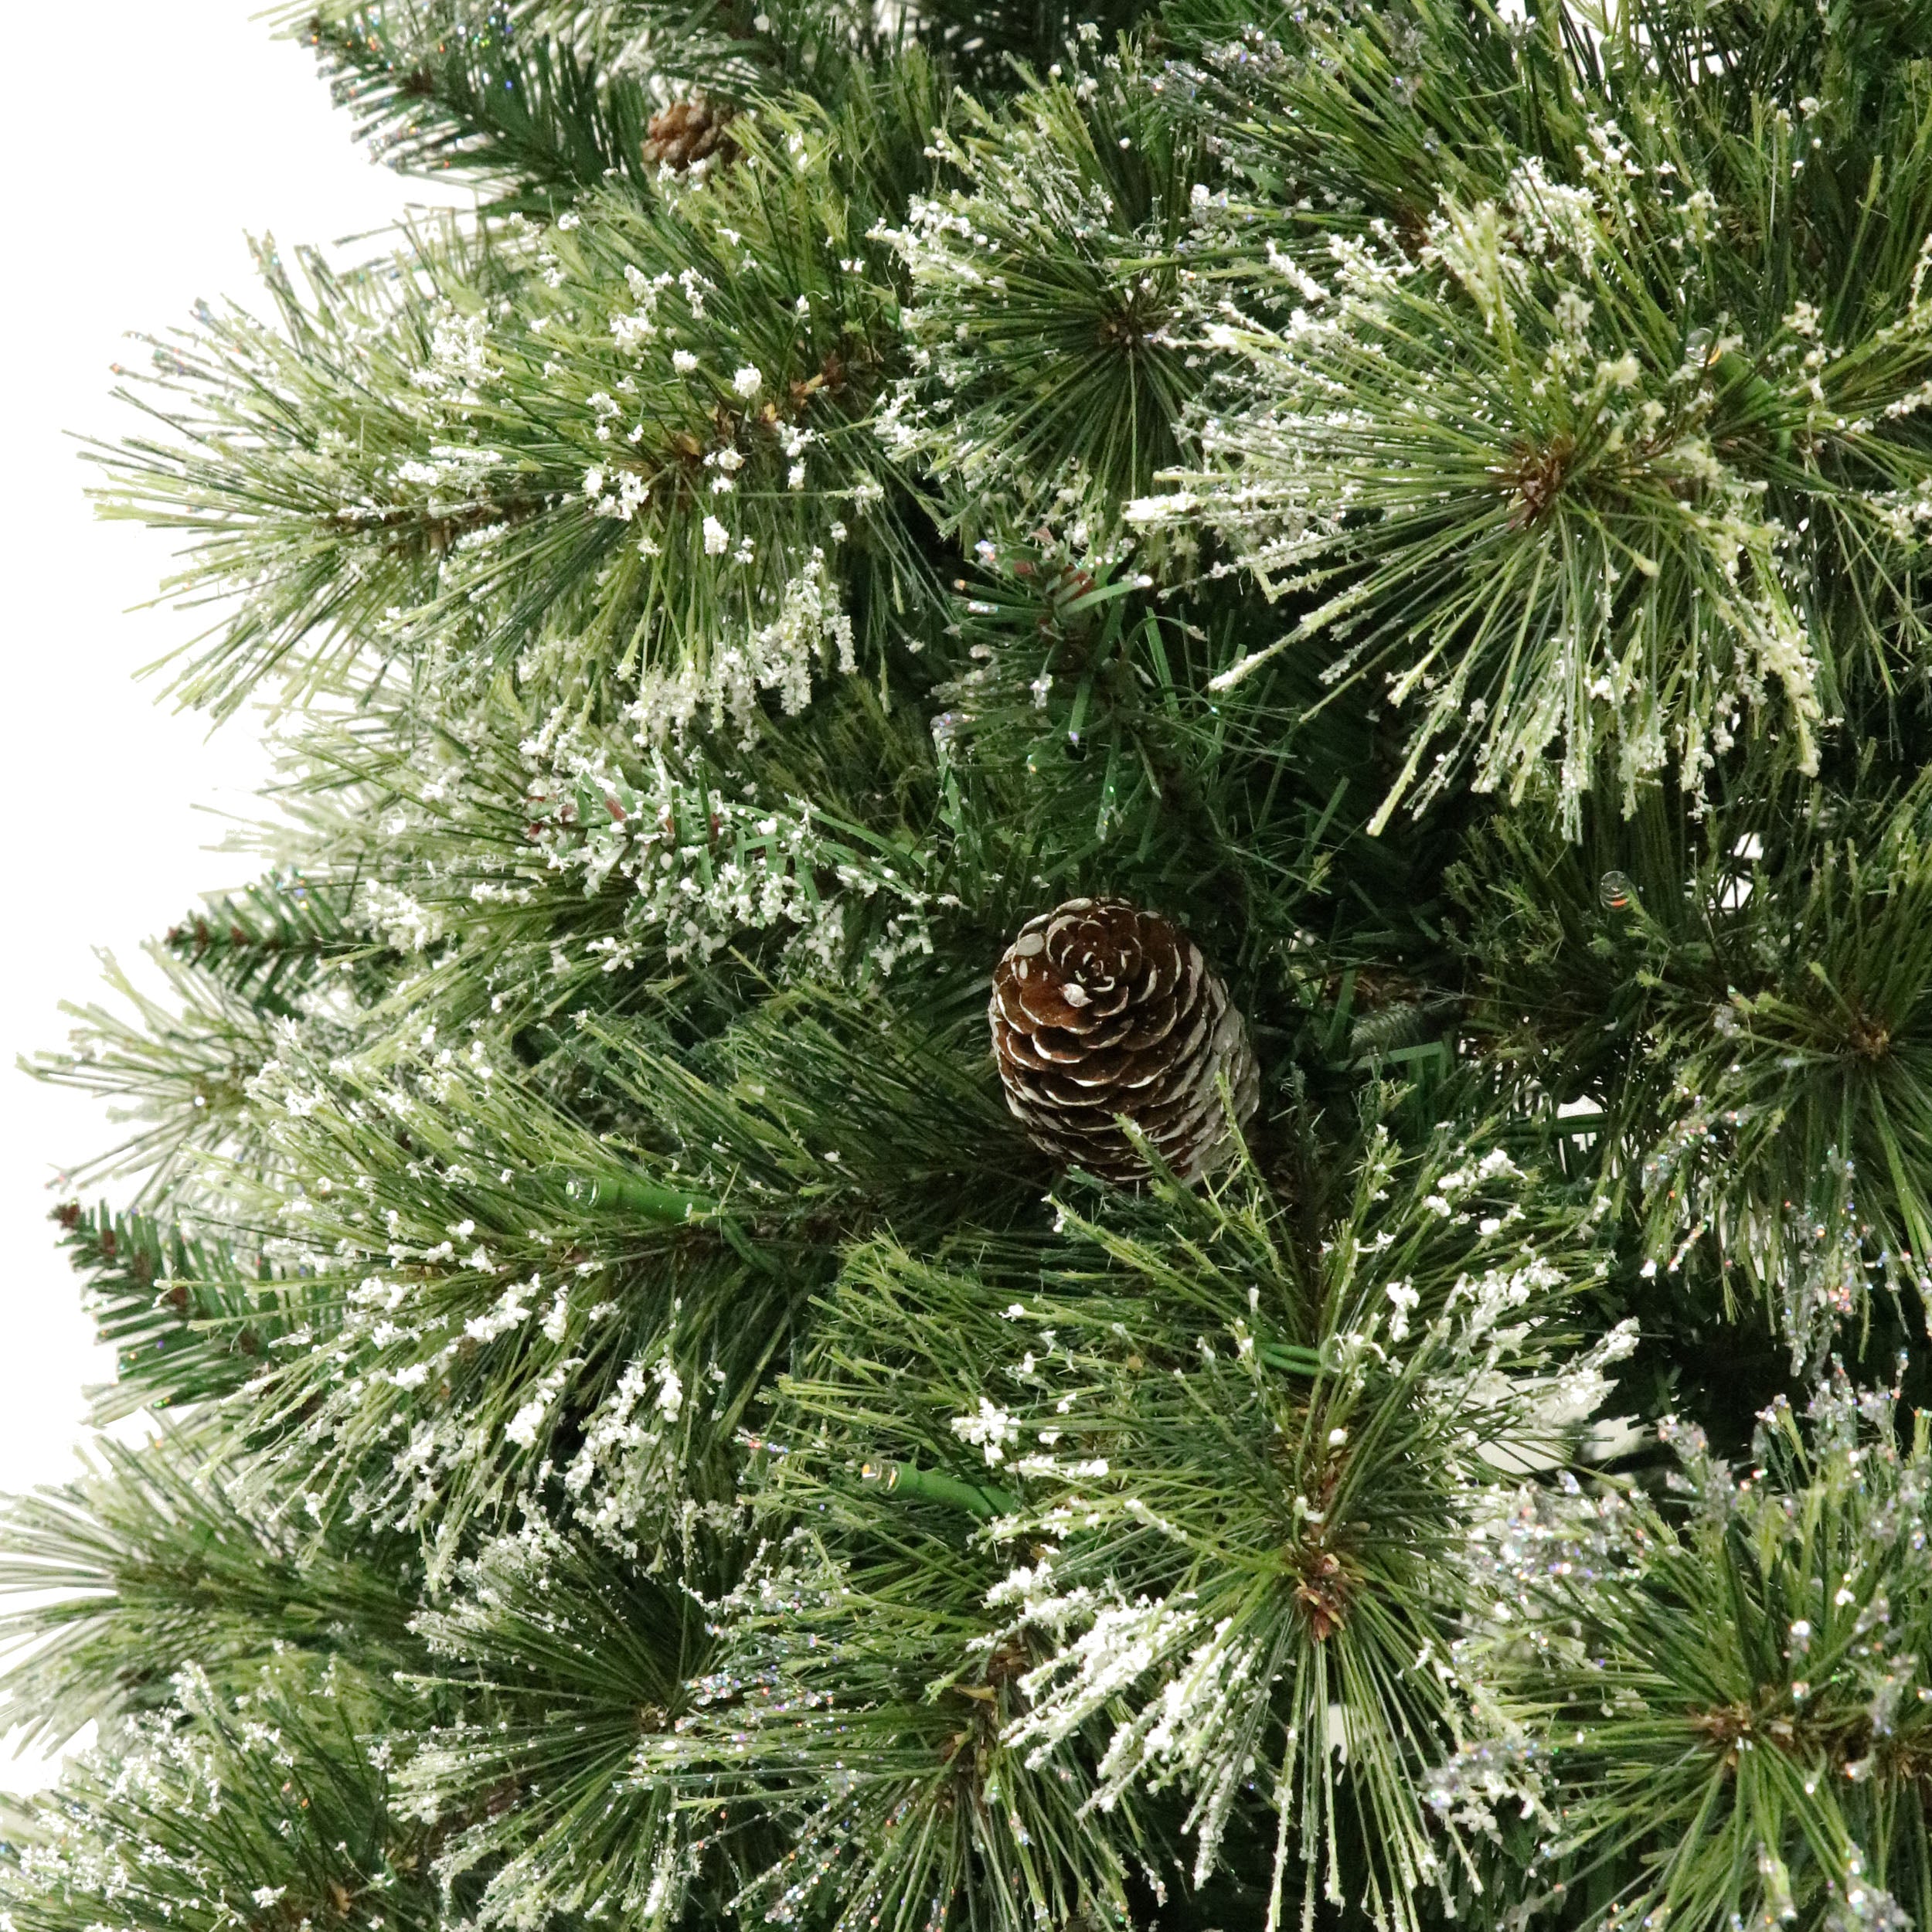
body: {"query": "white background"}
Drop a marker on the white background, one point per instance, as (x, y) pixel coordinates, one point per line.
(142, 150)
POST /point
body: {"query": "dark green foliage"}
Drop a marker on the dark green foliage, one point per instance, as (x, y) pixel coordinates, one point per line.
(276, 940)
(1045, 297)
(1741, 1678)
(571, 1671)
(460, 89)
(1081, 751)
(1227, 1474)
(1748, 1025)
(192, 1320)
(988, 43)
(266, 1807)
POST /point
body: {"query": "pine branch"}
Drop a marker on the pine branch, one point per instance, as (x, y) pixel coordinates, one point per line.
(547, 1284)
(270, 1806)
(1752, 1015)
(447, 444)
(155, 1562)
(459, 90)
(1734, 1735)
(1429, 496)
(190, 1322)
(859, 1699)
(568, 1660)
(180, 1069)
(1212, 1479)
(1045, 294)
(275, 939)
(1509, 514)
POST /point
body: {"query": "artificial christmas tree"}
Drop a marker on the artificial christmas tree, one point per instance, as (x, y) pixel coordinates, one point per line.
(1404, 1398)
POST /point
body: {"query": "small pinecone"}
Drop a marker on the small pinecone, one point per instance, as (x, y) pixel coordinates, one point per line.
(688, 131)
(1100, 1009)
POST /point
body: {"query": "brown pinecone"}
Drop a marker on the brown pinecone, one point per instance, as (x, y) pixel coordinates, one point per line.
(1100, 1009)
(688, 131)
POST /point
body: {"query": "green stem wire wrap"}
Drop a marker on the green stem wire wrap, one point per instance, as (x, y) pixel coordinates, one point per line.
(983, 1500)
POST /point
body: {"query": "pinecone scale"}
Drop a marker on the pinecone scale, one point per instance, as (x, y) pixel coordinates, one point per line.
(687, 132)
